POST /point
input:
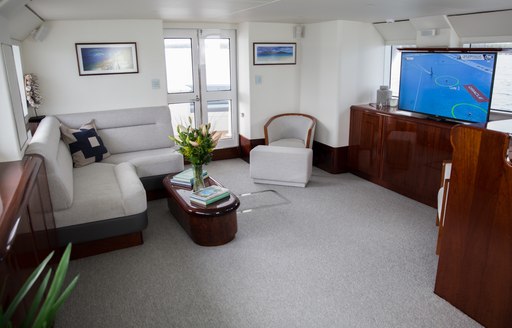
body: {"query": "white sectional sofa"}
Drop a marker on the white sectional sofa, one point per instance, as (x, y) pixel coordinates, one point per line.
(139, 136)
(107, 199)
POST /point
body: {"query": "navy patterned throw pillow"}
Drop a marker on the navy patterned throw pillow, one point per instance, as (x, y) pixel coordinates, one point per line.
(85, 144)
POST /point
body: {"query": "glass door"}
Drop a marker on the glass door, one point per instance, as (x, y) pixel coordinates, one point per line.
(201, 80)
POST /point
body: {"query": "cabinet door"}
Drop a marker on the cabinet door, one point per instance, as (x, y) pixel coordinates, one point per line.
(365, 143)
(412, 156)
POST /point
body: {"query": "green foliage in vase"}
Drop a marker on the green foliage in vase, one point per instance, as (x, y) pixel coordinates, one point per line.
(47, 301)
(196, 144)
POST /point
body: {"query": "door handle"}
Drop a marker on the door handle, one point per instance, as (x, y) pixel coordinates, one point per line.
(197, 98)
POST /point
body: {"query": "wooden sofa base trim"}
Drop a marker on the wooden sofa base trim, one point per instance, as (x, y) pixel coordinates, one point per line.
(105, 245)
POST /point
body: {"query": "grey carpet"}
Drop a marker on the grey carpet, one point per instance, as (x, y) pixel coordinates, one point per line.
(342, 253)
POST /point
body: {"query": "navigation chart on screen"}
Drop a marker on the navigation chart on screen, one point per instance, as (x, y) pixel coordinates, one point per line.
(453, 85)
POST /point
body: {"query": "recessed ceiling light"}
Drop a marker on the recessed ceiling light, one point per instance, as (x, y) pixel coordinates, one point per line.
(390, 20)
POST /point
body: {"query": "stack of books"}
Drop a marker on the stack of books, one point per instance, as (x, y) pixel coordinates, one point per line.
(186, 178)
(209, 195)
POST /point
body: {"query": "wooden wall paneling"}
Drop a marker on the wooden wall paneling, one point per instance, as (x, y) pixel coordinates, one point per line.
(475, 263)
(246, 145)
(226, 153)
(330, 159)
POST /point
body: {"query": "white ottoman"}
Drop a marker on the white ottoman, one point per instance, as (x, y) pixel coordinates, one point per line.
(286, 166)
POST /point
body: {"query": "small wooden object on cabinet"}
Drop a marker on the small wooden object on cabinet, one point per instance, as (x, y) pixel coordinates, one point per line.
(399, 151)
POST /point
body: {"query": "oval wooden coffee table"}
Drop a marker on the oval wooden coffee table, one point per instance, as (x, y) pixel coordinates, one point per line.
(211, 225)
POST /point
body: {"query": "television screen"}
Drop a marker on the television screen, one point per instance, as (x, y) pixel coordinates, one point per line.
(450, 85)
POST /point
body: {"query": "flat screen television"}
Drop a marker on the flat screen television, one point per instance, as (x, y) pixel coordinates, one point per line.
(447, 85)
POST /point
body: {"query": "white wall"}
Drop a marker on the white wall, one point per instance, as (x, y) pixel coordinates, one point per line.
(244, 80)
(338, 64)
(278, 91)
(341, 66)
(54, 61)
(361, 71)
(320, 83)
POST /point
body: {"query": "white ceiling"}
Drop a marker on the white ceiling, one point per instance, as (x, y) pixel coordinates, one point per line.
(235, 11)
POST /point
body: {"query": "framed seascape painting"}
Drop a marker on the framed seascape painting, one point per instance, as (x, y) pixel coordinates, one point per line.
(274, 53)
(106, 58)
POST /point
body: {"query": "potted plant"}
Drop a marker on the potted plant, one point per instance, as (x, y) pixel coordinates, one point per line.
(47, 301)
(196, 145)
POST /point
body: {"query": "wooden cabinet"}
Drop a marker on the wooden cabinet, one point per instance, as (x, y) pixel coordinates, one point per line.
(399, 151)
(27, 228)
(365, 151)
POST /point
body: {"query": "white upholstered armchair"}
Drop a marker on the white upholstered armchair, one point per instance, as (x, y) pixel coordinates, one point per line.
(288, 155)
(290, 130)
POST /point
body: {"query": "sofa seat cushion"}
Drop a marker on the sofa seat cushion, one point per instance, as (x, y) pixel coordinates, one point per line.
(290, 142)
(150, 162)
(103, 191)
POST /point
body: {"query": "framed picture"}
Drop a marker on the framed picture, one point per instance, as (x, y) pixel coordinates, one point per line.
(274, 53)
(106, 58)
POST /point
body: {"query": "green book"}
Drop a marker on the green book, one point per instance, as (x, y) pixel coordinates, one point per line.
(187, 176)
(209, 192)
(210, 201)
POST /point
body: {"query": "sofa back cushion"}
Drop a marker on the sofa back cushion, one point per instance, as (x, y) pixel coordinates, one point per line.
(128, 130)
(59, 166)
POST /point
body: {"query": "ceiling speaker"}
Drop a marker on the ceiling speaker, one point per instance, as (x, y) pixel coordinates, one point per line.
(40, 33)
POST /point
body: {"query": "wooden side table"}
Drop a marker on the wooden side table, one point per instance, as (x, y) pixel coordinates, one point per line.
(211, 225)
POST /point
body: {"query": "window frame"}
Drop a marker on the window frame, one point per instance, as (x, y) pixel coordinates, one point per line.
(505, 47)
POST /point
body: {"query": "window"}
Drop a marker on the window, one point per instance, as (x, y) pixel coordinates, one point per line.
(502, 90)
(394, 76)
(19, 75)
(12, 62)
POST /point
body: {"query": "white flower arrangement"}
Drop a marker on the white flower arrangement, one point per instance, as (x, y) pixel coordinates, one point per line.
(32, 93)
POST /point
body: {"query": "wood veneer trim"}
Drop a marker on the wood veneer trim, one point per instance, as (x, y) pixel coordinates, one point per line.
(226, 153)
(20, 176)
(246, 145)
(106, 245)
(330, 159)
(310, 130)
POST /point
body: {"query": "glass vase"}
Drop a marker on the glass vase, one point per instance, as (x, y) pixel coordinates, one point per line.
(198, 177)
